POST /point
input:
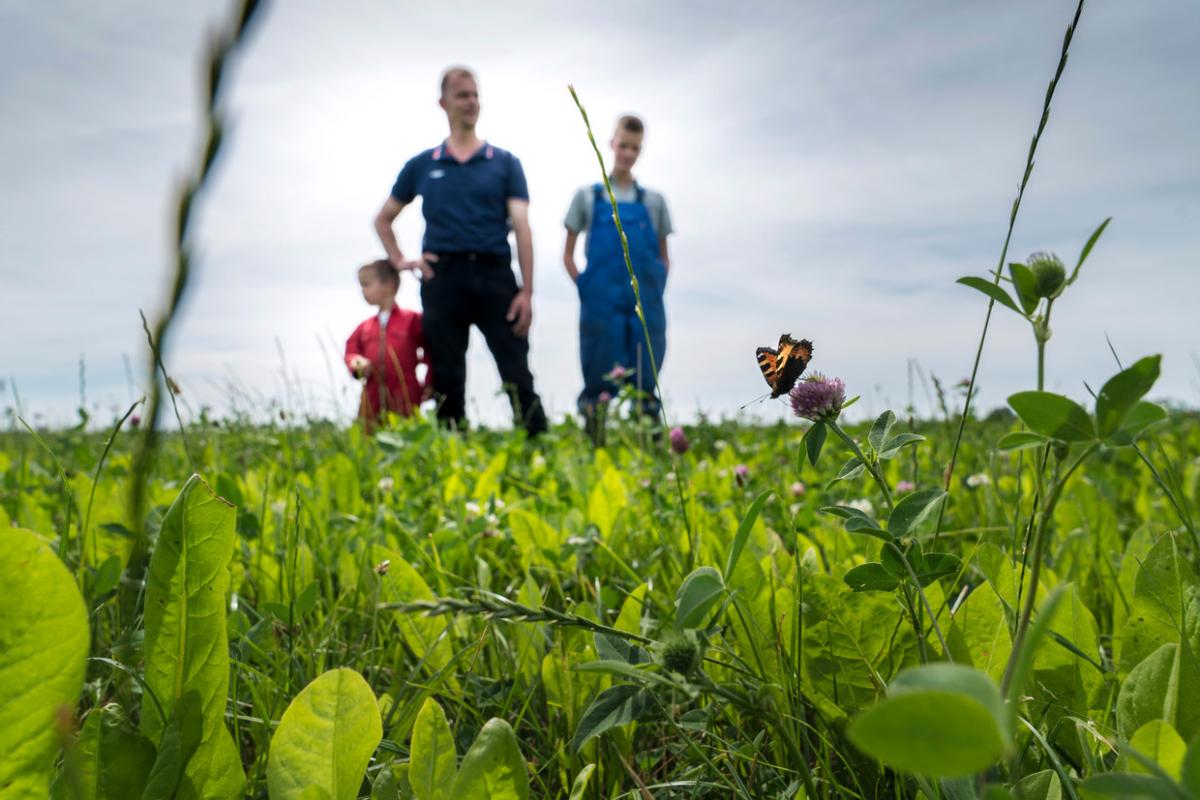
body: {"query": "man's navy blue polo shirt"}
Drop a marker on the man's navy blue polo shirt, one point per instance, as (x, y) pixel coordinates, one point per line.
(465, 205)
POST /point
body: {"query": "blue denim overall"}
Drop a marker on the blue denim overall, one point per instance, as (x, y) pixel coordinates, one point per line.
(610, 332)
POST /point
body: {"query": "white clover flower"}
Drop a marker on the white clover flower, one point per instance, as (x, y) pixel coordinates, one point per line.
(978, 479)
(473, 509)
(279, 506)
(497, 503)
(538, 462)
(863, 505)
(386, 484)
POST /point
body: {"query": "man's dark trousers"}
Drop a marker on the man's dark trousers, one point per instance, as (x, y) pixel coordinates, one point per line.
(476, 289)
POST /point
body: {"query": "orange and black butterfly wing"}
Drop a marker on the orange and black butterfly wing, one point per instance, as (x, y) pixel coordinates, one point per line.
(769, 363)
(793, 357)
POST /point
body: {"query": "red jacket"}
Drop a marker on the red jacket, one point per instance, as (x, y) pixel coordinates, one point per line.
(392, 384)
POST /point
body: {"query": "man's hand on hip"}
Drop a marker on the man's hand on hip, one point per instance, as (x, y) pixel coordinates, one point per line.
(520, 313)
(421, 265)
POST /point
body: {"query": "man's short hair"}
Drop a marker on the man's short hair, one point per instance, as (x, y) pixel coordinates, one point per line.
(456, 72)
(631, 123)
(382, 269)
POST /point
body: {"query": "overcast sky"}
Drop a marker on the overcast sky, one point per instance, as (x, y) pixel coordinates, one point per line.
(831, 169)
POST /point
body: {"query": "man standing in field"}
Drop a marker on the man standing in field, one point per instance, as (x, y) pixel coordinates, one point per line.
(473, 193)
(612, 342)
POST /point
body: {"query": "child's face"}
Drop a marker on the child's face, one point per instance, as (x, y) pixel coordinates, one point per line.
(626, 148)
(374, 290)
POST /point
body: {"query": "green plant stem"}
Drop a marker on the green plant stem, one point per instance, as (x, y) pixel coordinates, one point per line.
(871, 466)
(1039, 548)
(87, 516)
(1012, 221)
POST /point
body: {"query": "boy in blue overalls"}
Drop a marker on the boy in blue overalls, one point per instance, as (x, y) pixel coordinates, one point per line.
(612, 344)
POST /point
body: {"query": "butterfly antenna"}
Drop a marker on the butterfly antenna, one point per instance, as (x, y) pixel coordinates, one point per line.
(755, 400)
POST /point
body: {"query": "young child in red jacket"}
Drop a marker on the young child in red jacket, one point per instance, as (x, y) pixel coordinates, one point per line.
(386, 348)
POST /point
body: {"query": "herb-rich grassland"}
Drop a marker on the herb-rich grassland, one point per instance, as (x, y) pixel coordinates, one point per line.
(625, 621)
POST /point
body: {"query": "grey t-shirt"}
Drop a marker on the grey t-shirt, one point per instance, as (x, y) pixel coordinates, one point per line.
(579, 215)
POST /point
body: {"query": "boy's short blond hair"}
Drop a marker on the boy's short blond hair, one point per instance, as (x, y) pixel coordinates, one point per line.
(383, 270)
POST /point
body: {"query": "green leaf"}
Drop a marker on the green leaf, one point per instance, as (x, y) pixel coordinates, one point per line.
(616, 648)
(893, 445)
(1141, 416)
(618, 705)
(1123, 786)
(871, 577)
(814, 440)
(113, 760)
(850, 470)
(325, 739)
(186, 645)
(1053, 415)
(43, 651)
(1191, 767)
(857, 521)
(1165, 686)
(992, 290)
(432, 758)
(1023, 663)
(1166, 593)
(880, 430)
(1043, 785)
(743, 531)
(1159, 742)
(945, 720)
(913, 510)
(698, 593)
(178, 744)
(493, 769)
(1119, 394)
(1026, 285)
(580, 784)
(1087, 249)
(1020, 440)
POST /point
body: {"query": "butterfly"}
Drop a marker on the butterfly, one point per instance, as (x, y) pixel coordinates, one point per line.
(781, 368)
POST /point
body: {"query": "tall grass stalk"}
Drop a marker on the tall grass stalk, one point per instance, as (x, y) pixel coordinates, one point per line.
(1012, 221)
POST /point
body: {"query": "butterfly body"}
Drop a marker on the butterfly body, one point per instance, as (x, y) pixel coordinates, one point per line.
(782, 367)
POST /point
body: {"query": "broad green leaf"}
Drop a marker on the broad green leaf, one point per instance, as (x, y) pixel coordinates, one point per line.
(424, 635)
(743, 531)
(633, 610)
(1165, 607)
(891, 448)
(325, 739)
(1165, 686)
(880, 430)
(696, 596)
(1043, 785)
(433, 761)
(1053, 415)
(871, 577)
(488, 485)
(176, 746)
(1119, 394)
(947, 723)
(1141, 416)
(1026, 285)
(814, 440)
(618, 705)
(857, 521)
(1124, 786)
(114, 759)
(913, 510)
(186, 645)
(1159, 742)
(607, 500)
(985, 629)
(580, 784)
(43, 650)
(1020, 440)
(493, 768)
(1087, 249)
(992, 290)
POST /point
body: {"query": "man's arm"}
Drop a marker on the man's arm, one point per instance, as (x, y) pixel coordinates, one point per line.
(664, 255)
(569, 254)
(520, 311)
(387, 237)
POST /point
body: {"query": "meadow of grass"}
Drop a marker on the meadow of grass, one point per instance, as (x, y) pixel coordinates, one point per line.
(955, 607)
